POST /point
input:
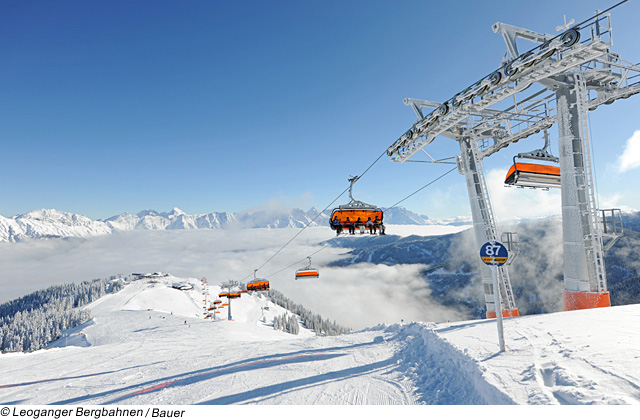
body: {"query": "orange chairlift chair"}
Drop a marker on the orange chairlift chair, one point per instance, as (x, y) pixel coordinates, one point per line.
(258, 285)
(353, 211)
(307, 272)
(533, 175)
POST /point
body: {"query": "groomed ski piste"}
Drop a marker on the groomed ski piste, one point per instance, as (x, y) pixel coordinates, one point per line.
(149, 344)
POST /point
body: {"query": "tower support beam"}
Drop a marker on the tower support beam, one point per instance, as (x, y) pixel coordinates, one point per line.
(485, 229)
(584, 272)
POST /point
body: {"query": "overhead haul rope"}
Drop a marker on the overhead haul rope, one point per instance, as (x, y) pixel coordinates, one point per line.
(422, 188)
(313, 220)
(579, 25)
(302, 260)
(329, 243)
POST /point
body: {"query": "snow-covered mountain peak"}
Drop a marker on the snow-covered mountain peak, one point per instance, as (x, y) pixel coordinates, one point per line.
(54, 215)
(175, 212)
(47, 223)
(147, 212)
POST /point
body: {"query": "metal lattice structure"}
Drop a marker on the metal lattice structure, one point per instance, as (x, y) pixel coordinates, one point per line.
(557, 82)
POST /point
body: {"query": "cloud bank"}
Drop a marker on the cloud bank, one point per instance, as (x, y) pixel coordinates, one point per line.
(356, 296)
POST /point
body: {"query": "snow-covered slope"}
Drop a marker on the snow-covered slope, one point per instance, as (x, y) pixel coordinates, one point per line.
(148, 344)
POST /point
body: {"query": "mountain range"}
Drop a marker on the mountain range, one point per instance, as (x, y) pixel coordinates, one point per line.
(50, 223)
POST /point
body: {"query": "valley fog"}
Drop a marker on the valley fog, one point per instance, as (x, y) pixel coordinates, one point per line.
(357, 296)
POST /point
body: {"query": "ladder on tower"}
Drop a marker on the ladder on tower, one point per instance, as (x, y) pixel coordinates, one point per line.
(504, 282)
(592, 238)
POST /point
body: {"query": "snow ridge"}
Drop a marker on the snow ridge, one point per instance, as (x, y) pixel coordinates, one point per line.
(442, 373)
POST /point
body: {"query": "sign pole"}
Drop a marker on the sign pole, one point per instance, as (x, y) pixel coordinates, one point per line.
(498, 305)
(494, 254)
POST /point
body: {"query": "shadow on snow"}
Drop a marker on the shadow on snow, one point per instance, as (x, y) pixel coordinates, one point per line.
(196, 376)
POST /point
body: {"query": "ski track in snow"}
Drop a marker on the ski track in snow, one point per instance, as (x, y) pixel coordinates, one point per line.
(139, 350)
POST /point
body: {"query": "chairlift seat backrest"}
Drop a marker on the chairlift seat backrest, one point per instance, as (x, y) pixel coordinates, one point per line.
(307, 273)
(354, 214)
(533, 175)
(258, 285)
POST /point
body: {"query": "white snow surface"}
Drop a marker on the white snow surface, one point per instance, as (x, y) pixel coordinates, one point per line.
(149, 344)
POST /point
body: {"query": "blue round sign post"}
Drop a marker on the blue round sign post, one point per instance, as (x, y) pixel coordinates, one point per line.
(494, 254)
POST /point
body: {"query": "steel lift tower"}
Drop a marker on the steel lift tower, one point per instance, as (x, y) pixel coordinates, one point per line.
(558, 81)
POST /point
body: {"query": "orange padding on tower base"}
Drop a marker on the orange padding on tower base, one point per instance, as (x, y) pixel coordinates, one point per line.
(506, 313)
(573, 300)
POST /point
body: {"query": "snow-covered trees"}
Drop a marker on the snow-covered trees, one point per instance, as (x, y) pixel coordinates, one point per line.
(286, 323)
(309, 319)
(33, 321)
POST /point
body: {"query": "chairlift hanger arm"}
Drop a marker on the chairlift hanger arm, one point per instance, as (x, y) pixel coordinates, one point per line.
(353, 202)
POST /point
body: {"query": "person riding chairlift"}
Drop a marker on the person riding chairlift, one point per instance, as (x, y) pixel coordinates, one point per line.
(359, 223)
(370, 226)
(337, 225)
(379, 224)
(349, 224)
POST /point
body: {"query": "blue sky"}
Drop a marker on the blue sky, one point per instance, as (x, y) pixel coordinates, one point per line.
(118, 106)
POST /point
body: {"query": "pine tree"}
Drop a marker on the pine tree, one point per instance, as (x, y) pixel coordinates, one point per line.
(310, 320)
(35, 320)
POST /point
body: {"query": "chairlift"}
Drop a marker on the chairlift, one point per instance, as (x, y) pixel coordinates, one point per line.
(533, 175)
(307, 272)
(355, 214)
(257, 285)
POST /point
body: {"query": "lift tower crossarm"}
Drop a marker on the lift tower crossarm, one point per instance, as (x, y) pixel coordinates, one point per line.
(609, 77)
(418, 104)
(432, 125)
(510, 33)
(553, 58)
